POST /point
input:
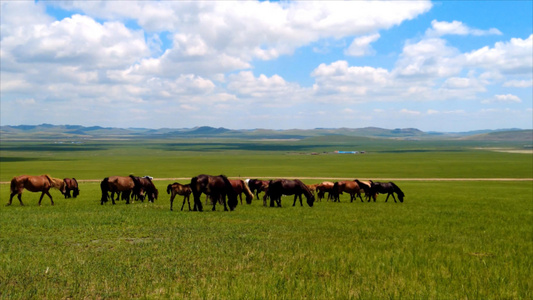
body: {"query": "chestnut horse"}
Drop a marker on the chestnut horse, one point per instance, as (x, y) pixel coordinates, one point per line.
(71, 184)
(280, 187)
(179, 189)
(117, 184)
(351, 187)
(324, 187)
(217, 187)
(41, 183)
(241, 187)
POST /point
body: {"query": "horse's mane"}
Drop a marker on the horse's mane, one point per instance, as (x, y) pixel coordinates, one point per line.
(397, 189)
(55, 182)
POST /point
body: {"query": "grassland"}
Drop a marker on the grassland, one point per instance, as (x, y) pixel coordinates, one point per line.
(448, 240)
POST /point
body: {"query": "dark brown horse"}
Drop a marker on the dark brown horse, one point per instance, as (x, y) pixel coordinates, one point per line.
(240, 187)
(118, 184)
(41, 183)
(71, 184)
(351, 187)
(388, 188)
(179, 189)
(257, 186)
(280, 187)
(145, 188)
(217, 187)
(365, 186)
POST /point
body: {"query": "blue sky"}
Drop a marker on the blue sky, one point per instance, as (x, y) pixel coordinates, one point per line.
(437, 66)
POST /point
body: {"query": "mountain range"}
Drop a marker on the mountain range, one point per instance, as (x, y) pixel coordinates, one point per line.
(49, 131)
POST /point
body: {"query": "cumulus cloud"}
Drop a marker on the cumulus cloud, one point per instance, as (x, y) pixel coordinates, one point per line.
(457, 28)
(361, 45)
(512, 57)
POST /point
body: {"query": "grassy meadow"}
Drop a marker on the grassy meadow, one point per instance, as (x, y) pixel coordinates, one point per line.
(448, 240)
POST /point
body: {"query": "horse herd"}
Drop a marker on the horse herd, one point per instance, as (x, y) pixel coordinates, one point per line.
(217, 188)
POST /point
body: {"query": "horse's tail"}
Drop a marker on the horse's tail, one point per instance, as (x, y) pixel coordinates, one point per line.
(13, 186)
(248, 192)
(104, 186)
(196, 193)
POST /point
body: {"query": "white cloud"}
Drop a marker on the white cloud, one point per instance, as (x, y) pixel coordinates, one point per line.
(361, 45)
(457, 28)
(519, 83)
(508, 98)
(513, 57)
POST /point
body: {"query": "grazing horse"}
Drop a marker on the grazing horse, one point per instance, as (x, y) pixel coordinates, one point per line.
(280, 187)
(324, 187)
(146, 187)
(179, 189)
(350, 187)
(388, 188)
(71, 184)
(241, 187)
(41, 183)
(365, 186)
(117, 184)
(217, 187)
(257, 186)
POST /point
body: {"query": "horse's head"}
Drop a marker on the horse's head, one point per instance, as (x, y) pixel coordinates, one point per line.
(249, 198)
(75, 192)
(232, 200)
(311, 200)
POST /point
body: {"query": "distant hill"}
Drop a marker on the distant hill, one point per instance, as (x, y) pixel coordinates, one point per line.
(49, 131)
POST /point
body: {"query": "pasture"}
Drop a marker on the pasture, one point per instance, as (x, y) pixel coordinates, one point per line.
(450, 239)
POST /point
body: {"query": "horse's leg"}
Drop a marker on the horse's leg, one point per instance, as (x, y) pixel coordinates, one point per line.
(301, 204)
(188, 202)
(223, 197)
(387, 197)
(51, 200)
(294, 203)
(393, 197)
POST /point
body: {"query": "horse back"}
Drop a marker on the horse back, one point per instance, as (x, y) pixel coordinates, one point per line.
(120, 183)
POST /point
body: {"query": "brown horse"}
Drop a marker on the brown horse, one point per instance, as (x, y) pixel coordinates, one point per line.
(351, 187)
(241, 187)
(41, 183)
(117, 184)
(324, 187)
(280, 187)
(71, 184)
(179, 189)
(218, 187)
(145, 188)
(257, 186)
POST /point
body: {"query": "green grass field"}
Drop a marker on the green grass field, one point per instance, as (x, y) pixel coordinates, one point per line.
(448, 240)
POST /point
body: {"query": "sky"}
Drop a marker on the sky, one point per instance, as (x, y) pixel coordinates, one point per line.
(445, 66)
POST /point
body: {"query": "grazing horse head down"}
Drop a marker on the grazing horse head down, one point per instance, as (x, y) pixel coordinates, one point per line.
(388, 188)
(280, 187)
(71, 184)
(217, 187)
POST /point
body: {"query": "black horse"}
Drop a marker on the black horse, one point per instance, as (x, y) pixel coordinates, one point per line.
(217, 187)
(280, 187)
(388, 188)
